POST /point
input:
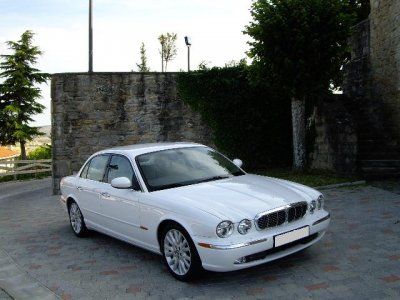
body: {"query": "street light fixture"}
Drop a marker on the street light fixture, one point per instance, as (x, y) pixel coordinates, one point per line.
(188, 43)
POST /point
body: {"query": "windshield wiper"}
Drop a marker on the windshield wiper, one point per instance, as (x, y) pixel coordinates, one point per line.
(175, 185)
(168, 186)
(213, 178)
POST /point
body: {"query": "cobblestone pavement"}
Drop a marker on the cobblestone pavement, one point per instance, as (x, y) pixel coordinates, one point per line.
(4, 295)
(389, 185)
(359, 258)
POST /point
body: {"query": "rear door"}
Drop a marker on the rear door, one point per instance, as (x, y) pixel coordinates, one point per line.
(90, 185)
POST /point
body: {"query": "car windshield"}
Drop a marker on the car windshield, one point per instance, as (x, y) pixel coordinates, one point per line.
(184, 166)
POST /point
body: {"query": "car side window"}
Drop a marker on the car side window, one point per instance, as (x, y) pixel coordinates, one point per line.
(119, 166)
(97, 167)
(84, 171)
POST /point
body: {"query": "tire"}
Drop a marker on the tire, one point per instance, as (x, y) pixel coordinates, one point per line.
(76, 220)
(179, 253)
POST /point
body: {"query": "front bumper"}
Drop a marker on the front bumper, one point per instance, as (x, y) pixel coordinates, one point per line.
(260, 248)
(63, 202)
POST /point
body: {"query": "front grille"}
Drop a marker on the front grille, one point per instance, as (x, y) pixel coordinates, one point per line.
(290, 213)
(297, 211)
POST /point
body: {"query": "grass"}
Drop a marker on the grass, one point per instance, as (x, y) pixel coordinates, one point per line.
(25, 176)
(312, 178)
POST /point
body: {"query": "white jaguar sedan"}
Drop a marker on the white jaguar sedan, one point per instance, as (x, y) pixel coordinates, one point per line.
(192, 205)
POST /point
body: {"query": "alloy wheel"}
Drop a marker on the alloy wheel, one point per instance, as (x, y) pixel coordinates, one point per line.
(177, 252)
(75, 217)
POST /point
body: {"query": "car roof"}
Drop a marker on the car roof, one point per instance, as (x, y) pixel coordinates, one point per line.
(137, 149)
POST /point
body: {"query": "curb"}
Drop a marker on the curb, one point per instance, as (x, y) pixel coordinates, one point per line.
(344, 184)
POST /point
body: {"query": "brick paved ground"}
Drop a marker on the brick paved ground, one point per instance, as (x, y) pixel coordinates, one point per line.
(359, 258)
(4, 295)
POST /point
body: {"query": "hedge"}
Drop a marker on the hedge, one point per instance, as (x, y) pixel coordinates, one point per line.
(250, 121)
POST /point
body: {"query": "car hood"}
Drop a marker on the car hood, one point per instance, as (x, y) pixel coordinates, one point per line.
(239, 197)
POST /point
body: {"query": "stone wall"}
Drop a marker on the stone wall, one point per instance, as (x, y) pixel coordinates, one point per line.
(357, 70)
(385, 59)
(335, 146)
(101, 110)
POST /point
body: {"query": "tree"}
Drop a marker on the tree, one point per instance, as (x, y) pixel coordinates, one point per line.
(18, 93)
(142, 67)
(361, 8)
(168, 48)
(301, 45)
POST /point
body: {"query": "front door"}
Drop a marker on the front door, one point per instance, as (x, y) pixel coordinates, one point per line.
(120, 207)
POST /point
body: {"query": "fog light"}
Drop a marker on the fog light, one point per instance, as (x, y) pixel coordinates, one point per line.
(239, 261)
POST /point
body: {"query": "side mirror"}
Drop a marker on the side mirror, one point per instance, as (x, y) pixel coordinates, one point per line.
(238, 162)
(121, 183)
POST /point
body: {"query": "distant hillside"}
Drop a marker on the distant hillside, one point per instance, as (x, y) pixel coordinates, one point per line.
(40, 140)
(46, 130)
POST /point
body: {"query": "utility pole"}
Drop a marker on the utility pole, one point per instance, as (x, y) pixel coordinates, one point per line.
(90, 38)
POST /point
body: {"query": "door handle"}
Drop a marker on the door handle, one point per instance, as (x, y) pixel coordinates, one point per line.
(105, 194)
(79, 188)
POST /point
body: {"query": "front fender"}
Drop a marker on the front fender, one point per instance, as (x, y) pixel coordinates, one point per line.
(199, 227)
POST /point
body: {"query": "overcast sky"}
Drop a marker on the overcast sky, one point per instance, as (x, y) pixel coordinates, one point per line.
(215, 27)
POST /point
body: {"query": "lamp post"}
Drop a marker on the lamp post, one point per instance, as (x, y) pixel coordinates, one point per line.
(188, 43)
(90, 38)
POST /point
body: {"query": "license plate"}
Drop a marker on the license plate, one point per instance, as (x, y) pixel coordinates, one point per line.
(291, 236)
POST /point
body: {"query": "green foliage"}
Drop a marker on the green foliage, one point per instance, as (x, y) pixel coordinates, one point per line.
(361, 8)
(249, 121)
(18, 93)
(168, 47)
(302, 43)
(42, 152)
(142, 67)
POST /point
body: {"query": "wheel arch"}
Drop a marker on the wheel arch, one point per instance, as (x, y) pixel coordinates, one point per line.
(70, 199)
(166, 222)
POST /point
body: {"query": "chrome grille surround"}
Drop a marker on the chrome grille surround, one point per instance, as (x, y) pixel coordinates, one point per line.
(281, 215)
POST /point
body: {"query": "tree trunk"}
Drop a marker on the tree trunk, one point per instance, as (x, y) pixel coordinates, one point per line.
(299, 133)
(23, 151)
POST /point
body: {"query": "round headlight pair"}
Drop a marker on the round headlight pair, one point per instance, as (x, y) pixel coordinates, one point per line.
(244, 226)
(320, 202)
(313, 206)
(317, 204)
(225, 228)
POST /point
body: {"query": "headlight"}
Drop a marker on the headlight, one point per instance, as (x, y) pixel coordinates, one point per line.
(225, 229)
(320, 202)
(244, 226)
(313, 206)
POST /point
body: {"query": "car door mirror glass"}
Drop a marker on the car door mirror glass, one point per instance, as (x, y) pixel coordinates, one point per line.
(238, 162)
(121, 183)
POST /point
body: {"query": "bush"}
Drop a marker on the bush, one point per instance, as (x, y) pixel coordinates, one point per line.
(42, 152)
(249, 121)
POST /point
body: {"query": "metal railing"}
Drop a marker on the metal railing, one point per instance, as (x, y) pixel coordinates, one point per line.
(16, 167)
